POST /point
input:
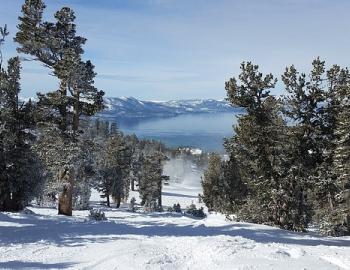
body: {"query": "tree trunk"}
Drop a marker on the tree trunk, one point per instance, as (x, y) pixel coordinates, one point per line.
(118, 201)
(330, 201)
(76, 114)
(65, 200)
(133, 184)
(108, 202)
(160, 195)
(63, 107)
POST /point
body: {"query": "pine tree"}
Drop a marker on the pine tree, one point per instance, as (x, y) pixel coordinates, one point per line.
(252, 143)
(21, 172)
(212, 183)
(3, 34)
(150, 183)
(56, 46)
(114, 159)
(235, 190)
(86, 172)
(136, 160)
(303, 104)
(313, 105)
(336, 218)
(325, 179)
(223, 189)
(260, 150)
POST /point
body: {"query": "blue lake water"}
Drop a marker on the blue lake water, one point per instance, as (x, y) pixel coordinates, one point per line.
(205, 131)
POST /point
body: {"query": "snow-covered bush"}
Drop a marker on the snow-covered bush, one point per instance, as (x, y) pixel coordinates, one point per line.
(176, 208)
(152, 207)
(97, 214)
(193, 211)
(333, 229)
(132, 205)
(81, 194)
(334, 224)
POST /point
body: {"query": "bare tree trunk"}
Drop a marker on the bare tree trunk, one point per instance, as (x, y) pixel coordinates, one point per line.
(160, 195)
(118, 201)
(133, 184)
(65, 200)
(108, 202)
(330, 201)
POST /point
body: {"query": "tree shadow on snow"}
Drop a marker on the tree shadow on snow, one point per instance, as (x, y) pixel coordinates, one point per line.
(171, 194)
(63, 231)
(33, 265)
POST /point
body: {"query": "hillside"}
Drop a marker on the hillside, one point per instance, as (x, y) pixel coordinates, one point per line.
(132, 107)
(159, 241)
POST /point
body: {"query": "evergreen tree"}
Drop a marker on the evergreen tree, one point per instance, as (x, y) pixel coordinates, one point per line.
(223, 189)
(150, 183)
(235, 190)
(136, 160)
(252, 144)
(325, 179)
(114, 160)
(259, 147)
(313, 104)
(56, 46)
(303, 104)
(3, 34)
(21, 172)
(66, 161)
(335, 193)
(212, 183)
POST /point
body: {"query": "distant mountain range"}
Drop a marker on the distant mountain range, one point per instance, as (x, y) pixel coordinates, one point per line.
(132, 107)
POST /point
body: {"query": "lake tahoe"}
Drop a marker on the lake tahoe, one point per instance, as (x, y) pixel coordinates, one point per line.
(205, 131)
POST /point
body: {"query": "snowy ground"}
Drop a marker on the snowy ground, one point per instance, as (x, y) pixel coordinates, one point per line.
(159, 241)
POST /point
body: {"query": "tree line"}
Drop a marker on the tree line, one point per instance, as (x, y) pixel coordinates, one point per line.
(50, 149)
(289, 159)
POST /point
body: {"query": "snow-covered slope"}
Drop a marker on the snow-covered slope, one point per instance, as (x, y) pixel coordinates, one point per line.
(133, 107)
(159, 241)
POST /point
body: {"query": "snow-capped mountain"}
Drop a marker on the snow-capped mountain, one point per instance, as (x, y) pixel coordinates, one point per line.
(132, 107)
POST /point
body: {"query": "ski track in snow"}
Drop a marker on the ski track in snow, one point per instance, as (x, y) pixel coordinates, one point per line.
(159, 241)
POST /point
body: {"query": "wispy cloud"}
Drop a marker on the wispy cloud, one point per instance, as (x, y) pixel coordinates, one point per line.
(188, 48)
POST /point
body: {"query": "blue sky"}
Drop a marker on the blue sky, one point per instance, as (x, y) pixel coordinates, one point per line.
(174, 49)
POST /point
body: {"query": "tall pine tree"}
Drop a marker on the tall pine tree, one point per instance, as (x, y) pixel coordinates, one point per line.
(21, 172)
(259, 147)
(57, 46)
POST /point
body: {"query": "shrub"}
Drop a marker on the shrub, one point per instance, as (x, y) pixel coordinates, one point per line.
(193, 211)
(132, 205)
(97, 214)
(176, 208)
(152, 206)
(334, 224)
